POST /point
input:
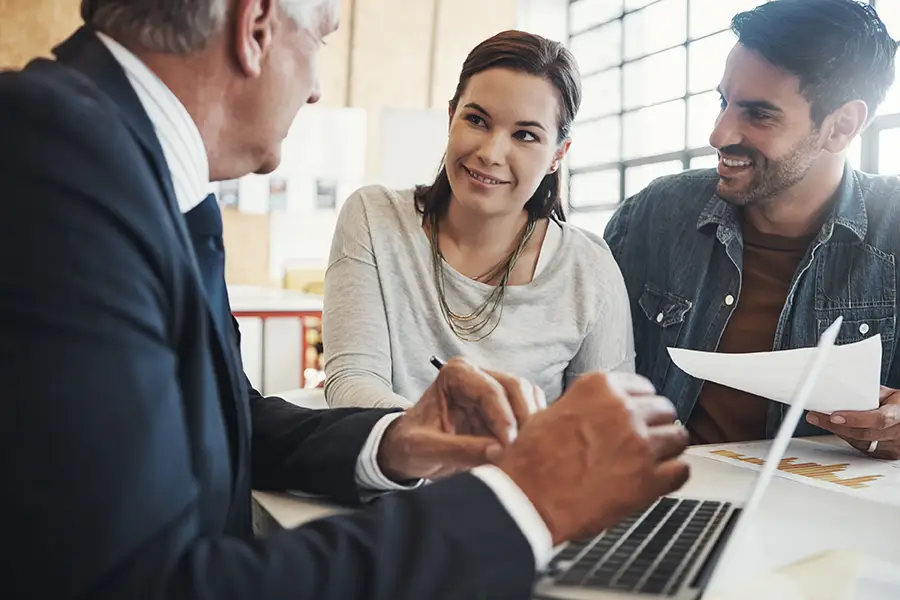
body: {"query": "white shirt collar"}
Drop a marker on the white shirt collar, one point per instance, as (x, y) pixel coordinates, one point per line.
(178, 135)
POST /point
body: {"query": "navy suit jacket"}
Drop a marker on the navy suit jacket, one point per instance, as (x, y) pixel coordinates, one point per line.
(129, 436)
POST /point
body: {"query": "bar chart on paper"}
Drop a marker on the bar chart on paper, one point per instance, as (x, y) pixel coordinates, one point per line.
(840, 469)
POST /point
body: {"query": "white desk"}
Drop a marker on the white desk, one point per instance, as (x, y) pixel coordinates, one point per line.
(795, 521)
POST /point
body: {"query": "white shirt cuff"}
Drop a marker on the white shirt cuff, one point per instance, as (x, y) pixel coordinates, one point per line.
(521, 510)
(368, 473)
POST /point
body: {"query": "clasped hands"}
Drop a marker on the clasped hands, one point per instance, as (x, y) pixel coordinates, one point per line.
(606, 448)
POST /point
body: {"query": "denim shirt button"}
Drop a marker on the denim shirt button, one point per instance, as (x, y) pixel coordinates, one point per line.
(864, 328)
(659, 318)
(729, 300)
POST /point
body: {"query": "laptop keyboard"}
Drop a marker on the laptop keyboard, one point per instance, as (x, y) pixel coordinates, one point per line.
(651, 552)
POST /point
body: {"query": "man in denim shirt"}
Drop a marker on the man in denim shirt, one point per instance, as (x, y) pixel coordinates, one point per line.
(764, 252)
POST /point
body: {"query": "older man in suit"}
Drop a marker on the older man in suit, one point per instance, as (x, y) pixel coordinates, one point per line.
(131, 438)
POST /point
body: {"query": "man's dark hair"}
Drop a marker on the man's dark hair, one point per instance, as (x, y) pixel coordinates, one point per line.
(839, 49)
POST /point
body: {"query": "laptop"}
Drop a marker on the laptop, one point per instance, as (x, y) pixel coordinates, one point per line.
(679, 547)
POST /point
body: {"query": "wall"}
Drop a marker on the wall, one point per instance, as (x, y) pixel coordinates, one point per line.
(408, 53)
(30, 28)
(388, 55)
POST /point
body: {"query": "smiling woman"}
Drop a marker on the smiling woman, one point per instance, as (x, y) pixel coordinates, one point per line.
(480, 263)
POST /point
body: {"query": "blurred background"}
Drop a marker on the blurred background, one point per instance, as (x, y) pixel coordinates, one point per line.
(649, 69)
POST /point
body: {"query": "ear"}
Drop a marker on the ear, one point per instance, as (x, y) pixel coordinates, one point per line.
(253, 25)
(559, 156)
(845, 124)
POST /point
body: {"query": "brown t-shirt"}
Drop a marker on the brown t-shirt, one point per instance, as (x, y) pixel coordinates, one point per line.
(723, 414)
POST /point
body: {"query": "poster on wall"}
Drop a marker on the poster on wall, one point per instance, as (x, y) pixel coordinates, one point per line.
(326, 194)
(278, 194)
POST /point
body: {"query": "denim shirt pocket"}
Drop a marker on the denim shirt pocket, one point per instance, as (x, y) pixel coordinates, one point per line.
(857, 327)
(858, 282)
(666, 313)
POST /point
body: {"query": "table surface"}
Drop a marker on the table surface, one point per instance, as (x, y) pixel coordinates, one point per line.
(794, 522)
(261, 299)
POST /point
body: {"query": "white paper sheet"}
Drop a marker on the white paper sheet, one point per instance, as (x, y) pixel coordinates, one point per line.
(849, 381)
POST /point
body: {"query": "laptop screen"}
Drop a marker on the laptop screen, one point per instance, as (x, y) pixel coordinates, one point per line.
(729, 567)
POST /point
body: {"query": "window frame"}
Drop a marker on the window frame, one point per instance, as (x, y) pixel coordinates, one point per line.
(869, 138)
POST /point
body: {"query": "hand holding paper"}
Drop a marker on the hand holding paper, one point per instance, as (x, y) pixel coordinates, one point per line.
(874, 432)
(849, 381)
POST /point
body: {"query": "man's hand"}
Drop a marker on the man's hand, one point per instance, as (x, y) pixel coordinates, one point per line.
(465, 418)
(606, 449)
(861, 428)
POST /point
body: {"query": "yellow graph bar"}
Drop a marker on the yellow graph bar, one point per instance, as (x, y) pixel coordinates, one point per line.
(808, 469)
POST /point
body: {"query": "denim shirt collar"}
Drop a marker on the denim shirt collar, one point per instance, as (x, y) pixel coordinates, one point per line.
(849, 212)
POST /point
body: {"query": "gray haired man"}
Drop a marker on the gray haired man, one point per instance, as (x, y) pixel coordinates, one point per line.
(131, 438)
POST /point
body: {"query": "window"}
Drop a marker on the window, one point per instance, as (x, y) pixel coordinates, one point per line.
(889, 11)
(650, 69)
(637, 178)
(889, 152)
(593, 190)
(654, 79)
(594, 221)
(643, 33)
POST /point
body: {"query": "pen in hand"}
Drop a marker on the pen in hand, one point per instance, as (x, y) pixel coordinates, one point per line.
(438, 363)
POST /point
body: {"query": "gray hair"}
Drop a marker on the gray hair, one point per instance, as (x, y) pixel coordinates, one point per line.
(173, 26)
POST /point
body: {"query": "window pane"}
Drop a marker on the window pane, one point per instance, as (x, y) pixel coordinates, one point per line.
(854, 153)
(707, 58)
(594, 220)
(708, 16)
(597, 188)
(635, 4)
(655, 130)
(595, 143)
(587, 13)
(659, 26)
(598, 48)
(891, 104)
(654, 79)
(601, 94)
(889, 152)
(637, 178)
(710, 161)
(702, 113)
(889, 11)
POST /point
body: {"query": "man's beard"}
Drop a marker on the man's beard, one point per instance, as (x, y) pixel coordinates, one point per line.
(769, 177)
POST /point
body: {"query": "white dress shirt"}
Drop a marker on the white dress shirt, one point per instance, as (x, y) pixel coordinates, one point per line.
(188, 163)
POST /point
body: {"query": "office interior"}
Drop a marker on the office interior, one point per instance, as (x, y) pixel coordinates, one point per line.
(649, 70)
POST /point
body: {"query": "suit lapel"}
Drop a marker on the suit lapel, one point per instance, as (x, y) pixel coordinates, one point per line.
(87, 54)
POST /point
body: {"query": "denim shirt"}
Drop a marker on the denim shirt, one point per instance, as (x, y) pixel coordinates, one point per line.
(680, 249)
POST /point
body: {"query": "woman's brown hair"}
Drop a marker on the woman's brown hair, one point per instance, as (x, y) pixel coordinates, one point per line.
(525, 53)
